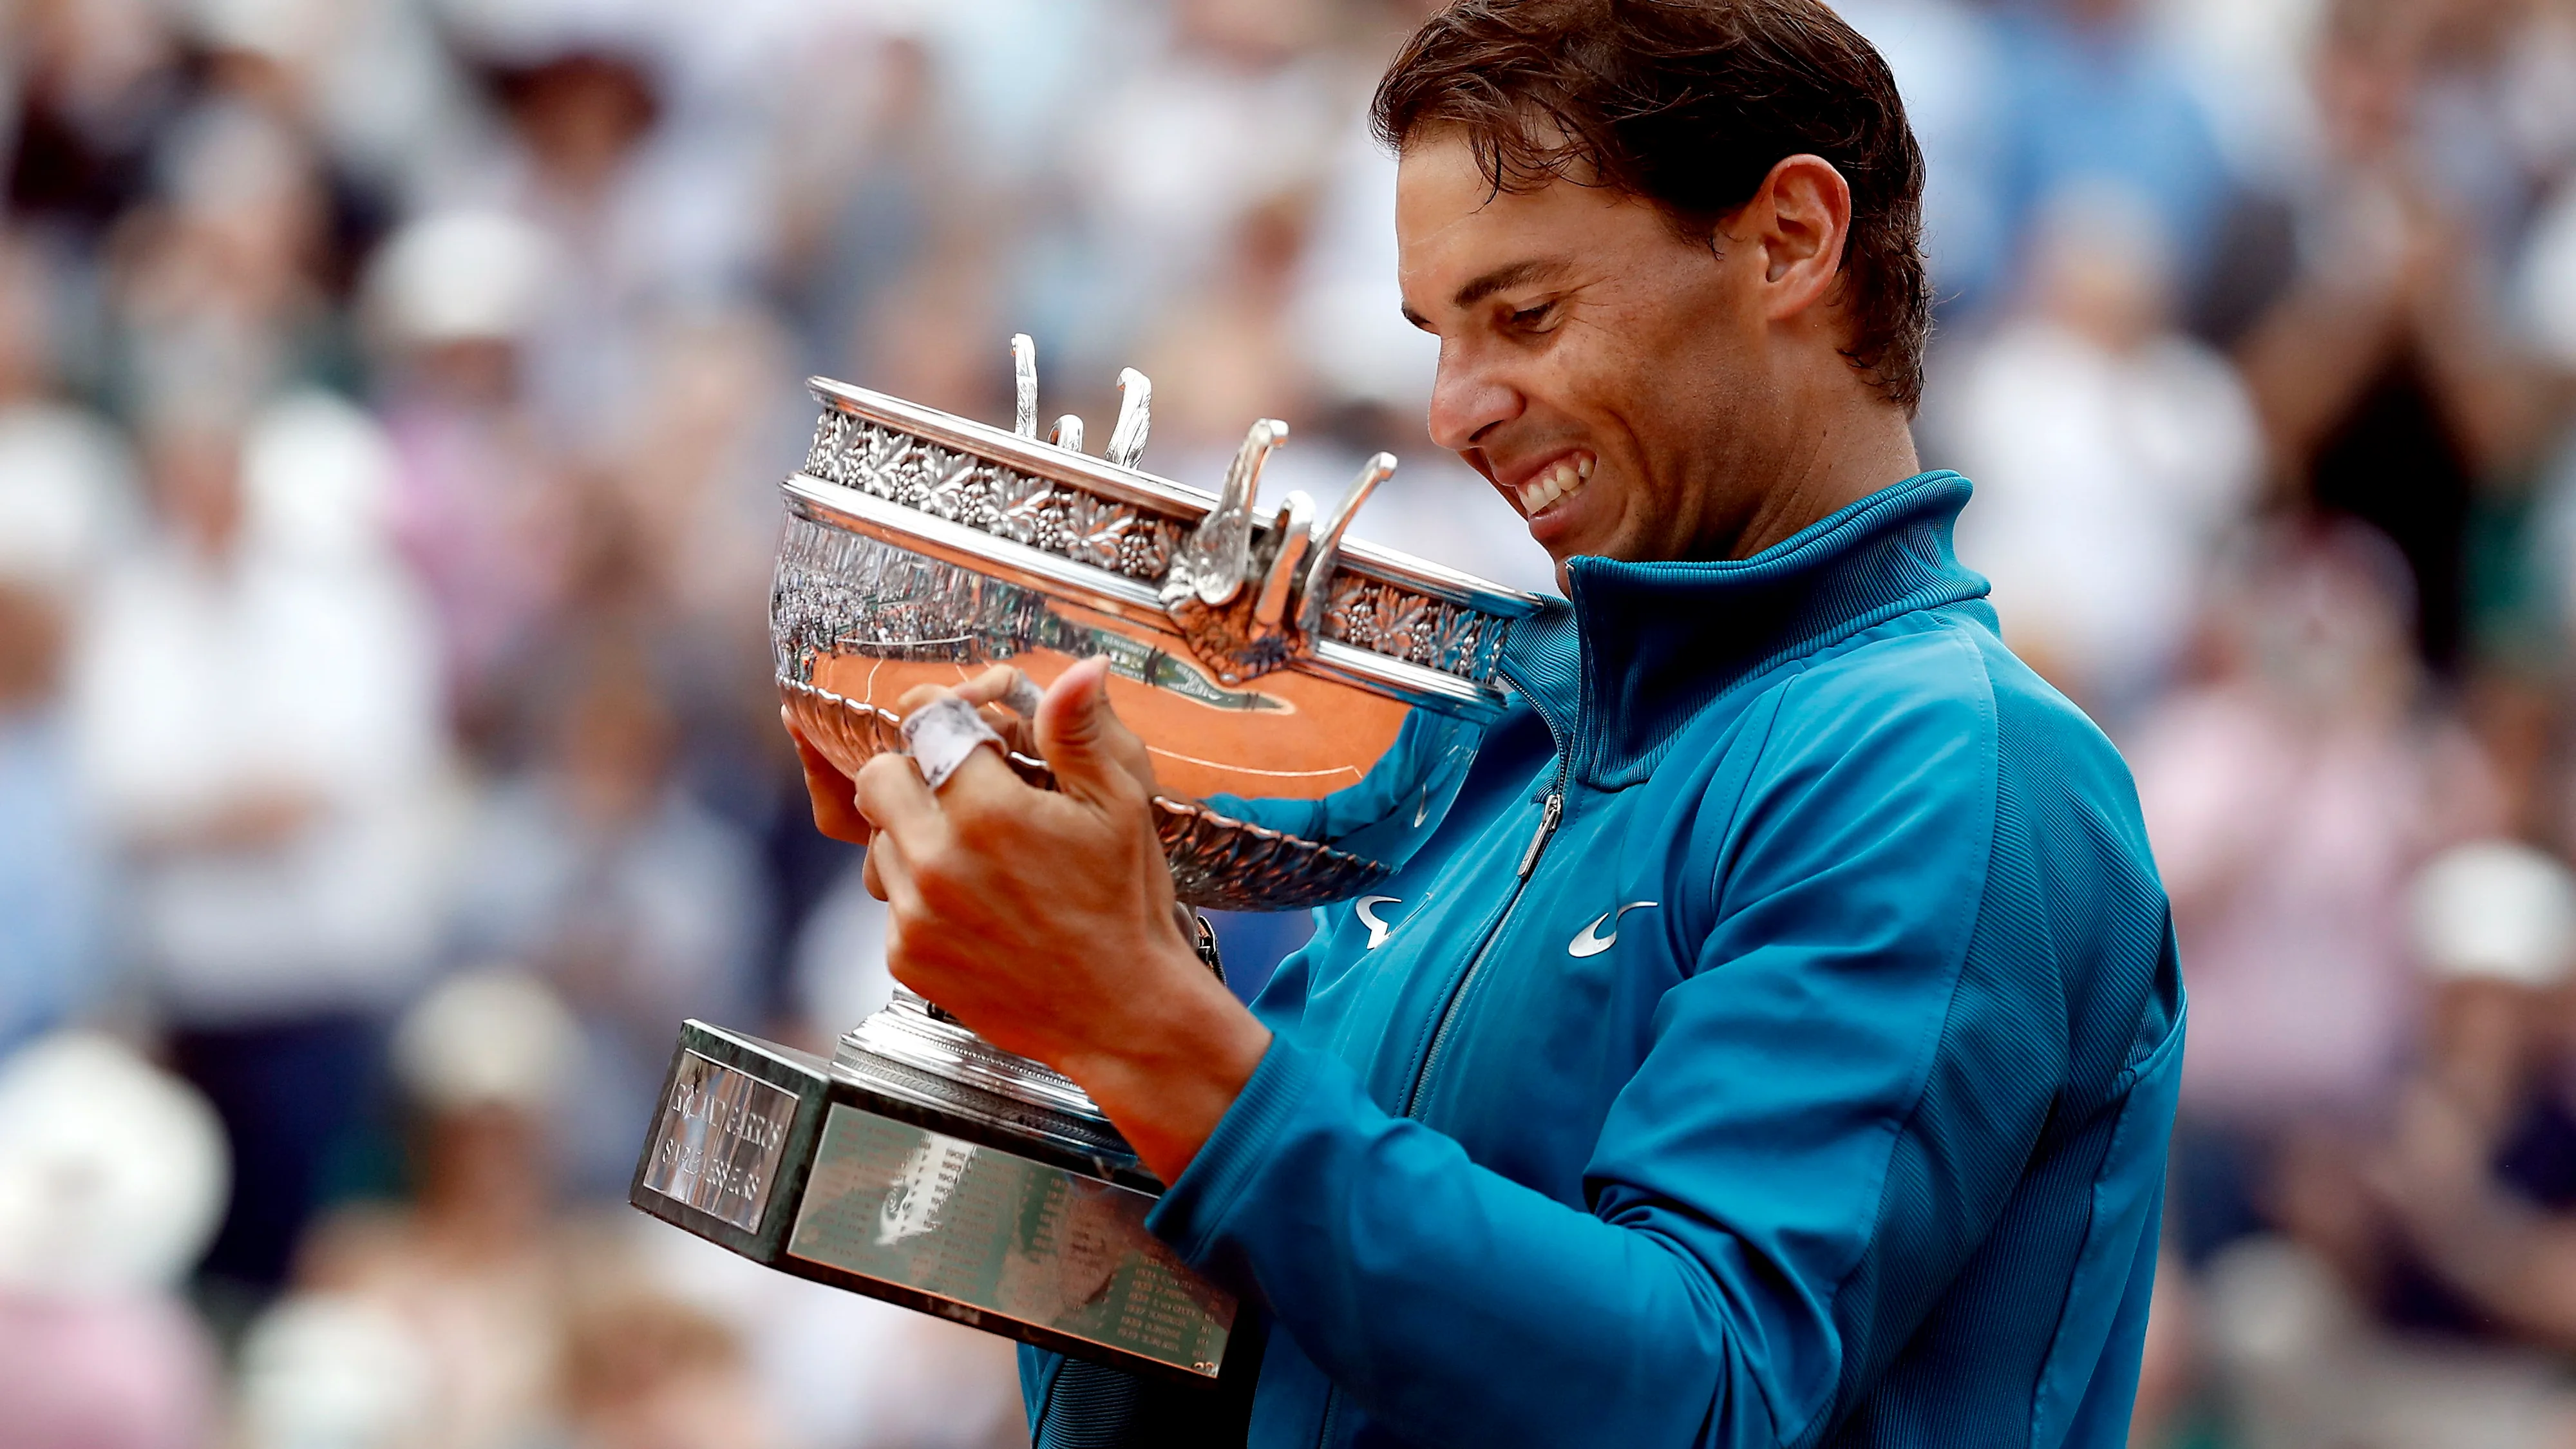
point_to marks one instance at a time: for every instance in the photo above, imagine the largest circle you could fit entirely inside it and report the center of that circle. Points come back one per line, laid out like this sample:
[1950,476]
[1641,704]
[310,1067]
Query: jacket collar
[1644,648]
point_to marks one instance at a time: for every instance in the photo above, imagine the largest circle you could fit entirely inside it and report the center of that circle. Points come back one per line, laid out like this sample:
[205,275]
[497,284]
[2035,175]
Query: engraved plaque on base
[805,1165]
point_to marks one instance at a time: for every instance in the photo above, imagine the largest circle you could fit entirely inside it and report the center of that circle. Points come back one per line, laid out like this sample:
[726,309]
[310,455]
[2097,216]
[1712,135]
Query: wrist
[1178,1064]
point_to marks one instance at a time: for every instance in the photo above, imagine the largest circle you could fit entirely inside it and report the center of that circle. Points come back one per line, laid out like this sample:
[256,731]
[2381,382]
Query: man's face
[1603,372]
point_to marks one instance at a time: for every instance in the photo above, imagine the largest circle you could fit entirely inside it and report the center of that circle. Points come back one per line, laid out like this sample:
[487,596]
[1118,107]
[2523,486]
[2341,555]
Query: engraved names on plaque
[1003,1235]
[719,1140]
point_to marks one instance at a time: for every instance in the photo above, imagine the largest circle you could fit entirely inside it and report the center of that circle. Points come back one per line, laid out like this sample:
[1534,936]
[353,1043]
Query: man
[1777,1042]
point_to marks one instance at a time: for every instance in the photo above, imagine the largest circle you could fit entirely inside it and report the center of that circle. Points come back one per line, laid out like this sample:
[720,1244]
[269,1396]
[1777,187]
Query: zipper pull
[1547,817]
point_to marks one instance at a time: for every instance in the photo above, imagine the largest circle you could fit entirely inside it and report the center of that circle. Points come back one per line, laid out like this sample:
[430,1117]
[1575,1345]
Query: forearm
[1464,1308]
[1173,1069]
[2510,1260]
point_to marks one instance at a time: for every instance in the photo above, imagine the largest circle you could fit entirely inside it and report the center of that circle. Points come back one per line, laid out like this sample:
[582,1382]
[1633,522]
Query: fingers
[830,792]
[893,798]
[1096,758]
[1002,695]
[888,876]
[1001,685]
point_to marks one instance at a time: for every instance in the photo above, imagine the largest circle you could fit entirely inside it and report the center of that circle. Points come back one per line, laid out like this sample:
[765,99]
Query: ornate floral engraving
[1023,507]
[1095,530]
[1145,549]
[1351,616]
[1404,623]
[1375,615]
[958,489]
[1386,619]
[1452,640]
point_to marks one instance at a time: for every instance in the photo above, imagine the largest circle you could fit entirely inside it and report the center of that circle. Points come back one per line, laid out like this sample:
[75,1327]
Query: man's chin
[1565,544]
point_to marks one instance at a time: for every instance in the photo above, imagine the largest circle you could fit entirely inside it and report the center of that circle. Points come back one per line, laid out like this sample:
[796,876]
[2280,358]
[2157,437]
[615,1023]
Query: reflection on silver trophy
[1310,704]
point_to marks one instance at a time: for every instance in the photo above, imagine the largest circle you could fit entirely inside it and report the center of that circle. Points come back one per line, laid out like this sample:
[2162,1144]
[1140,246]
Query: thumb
[1096,758]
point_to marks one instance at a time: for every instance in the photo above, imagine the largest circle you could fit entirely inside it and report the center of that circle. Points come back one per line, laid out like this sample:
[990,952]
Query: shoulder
[1942,684]
[1931,714]
[1916,696]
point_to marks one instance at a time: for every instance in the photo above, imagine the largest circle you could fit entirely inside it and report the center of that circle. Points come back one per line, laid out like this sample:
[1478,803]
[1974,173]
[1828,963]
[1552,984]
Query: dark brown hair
[1688,104]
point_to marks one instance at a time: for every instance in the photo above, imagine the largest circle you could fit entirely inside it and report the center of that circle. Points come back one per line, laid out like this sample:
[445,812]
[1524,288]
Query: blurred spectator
[2470,1194]
[650,1373]
[596,869]
[1945,55]
[366,81]
[468,1284]
[2387,389]
[2290,797]
[866,181]
[698,480]
[2091,96]
[65,503]
[479,507]
[320,1371]
[257,703]
[1238,111]
[652,225]
[2109,453]
[218,288]
[96,82]
[2481,1169]
[837,964]
[111,1177]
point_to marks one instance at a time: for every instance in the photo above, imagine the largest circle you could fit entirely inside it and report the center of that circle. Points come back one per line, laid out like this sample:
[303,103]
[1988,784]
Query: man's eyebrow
[1534,269]
[1512,275]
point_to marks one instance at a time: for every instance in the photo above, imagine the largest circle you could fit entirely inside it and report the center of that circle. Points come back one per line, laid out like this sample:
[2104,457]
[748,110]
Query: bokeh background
[392,398]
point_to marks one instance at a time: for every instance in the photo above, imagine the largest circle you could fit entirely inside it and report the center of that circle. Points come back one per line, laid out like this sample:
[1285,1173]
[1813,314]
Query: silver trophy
[1311,705]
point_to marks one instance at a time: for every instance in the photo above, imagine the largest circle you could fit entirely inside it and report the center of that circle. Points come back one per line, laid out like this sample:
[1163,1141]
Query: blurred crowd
[392,398]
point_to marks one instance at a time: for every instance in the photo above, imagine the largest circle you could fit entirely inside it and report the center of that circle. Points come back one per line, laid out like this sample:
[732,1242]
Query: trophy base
[927,1168]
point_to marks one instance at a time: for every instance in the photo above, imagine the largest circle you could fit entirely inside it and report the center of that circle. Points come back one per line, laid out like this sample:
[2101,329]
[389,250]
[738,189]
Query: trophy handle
[1328,539]
[1024,385]
[1244,637]
[1135,408]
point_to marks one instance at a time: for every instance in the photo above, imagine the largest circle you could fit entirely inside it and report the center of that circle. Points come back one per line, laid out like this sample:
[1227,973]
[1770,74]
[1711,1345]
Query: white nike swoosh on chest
[1377,929]
[1590,942]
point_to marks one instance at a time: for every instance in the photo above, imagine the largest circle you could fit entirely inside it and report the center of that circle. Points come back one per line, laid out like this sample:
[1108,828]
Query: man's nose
[1467,399]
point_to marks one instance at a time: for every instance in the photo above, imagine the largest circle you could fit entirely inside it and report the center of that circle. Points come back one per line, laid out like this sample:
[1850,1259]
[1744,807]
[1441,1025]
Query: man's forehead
[1458,239]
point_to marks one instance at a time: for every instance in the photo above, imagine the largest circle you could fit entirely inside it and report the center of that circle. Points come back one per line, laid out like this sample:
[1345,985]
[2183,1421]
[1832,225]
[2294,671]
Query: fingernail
[1022,697]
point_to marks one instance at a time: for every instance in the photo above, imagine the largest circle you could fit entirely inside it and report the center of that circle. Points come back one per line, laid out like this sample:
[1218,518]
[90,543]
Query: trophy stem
[909,1049]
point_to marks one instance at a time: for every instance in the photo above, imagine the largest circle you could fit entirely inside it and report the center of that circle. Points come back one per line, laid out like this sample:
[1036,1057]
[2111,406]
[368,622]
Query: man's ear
[1799,220]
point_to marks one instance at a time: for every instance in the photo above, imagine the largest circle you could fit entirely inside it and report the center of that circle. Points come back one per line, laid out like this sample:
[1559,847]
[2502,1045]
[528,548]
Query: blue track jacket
[1811,1087]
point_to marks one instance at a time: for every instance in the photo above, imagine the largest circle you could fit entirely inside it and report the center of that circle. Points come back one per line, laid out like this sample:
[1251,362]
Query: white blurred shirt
[2103,481]
[305,666]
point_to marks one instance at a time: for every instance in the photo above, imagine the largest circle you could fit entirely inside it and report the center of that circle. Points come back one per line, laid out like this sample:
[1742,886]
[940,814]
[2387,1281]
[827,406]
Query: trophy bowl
[1310,705]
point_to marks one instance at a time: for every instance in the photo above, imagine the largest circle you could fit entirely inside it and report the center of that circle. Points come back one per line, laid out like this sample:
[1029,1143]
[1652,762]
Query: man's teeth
[1555,483]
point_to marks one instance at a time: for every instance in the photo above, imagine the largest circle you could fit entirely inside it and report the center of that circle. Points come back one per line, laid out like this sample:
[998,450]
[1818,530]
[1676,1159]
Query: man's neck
[1844,454]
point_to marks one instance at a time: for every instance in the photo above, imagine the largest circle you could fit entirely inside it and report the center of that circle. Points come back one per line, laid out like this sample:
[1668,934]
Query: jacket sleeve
[1823,1127]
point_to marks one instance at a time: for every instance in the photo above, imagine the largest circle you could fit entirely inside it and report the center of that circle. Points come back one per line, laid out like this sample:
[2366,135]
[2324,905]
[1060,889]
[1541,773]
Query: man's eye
[1532,316]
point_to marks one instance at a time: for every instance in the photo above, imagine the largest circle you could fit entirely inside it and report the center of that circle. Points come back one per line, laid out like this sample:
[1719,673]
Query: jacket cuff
[1194,1211]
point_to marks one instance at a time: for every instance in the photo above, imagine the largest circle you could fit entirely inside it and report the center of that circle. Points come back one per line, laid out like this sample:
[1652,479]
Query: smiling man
[1776,1042]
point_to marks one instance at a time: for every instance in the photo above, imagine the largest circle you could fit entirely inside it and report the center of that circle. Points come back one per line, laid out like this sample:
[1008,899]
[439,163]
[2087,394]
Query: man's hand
[833,794]
[836,811]
[1044,920]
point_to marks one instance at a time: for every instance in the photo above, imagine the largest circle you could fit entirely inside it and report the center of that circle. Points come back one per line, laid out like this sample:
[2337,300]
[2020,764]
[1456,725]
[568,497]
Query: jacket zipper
[1550,812]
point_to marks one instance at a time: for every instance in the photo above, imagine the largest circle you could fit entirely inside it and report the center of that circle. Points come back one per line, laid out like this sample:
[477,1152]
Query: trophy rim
[900,526]
[1177,501]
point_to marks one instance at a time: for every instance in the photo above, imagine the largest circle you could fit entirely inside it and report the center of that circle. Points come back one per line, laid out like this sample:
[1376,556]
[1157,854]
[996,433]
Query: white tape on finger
[1022,700]
[941,734]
